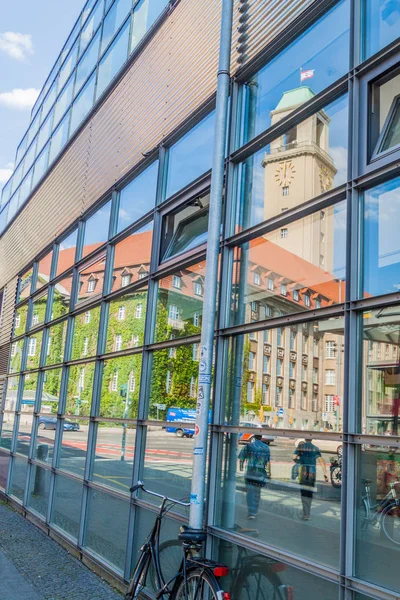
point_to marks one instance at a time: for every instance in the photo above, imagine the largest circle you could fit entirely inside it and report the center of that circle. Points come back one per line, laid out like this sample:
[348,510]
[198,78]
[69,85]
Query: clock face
[284,173]
[325,179]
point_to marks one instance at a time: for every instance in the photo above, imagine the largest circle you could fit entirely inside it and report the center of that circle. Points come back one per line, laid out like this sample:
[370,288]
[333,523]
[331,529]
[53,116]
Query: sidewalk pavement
[35,567]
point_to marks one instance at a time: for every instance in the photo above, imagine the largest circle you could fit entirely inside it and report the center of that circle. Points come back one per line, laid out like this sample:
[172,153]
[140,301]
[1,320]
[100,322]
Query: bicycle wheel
[257,582]
[200,586]
[138,581]
[391,523]
[336,477]
[170,554]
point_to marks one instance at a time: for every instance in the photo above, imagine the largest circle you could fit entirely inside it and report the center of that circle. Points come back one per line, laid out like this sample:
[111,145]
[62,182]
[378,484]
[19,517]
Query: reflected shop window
[255,576]
[298,267]
[378,515]
[132,258]
[306,161]
[288,377]
[180,303]
[310,64]
[381,242]
[289,499]
[381,371]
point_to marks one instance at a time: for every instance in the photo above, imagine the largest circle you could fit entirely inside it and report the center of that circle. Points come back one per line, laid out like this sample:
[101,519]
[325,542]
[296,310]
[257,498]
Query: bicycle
[336,470]
[197,577]
[254,577]
[386,513]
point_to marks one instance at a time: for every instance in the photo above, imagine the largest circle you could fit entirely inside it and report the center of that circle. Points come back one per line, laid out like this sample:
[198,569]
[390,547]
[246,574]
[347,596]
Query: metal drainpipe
[197,495]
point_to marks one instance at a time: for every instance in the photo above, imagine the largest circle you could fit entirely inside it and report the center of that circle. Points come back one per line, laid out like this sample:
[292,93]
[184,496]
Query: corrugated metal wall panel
[8,311]
[174,75]
[4,354]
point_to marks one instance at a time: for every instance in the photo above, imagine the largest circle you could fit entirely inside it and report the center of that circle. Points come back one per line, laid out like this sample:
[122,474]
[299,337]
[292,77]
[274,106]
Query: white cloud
[19,99]
[5,175]
[16,45]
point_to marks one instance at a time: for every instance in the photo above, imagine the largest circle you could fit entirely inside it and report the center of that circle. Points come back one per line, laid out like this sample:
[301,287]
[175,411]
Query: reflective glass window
[303,271]
[67,502]
[144,15]
[45,132]
[91,25]
[310,64]
[59,138]
[10,403]
[91,278]
[180,304]
[82,104]
[87,62]
[7,428]
[56,343]
[20,320]
[114,451]
[49,100]
[50,394]
[38,313]
[4,466]
[113,60]
[191,156]
[381,249]
[381,22]
[381,371]
[28,162]
[385,115]
[132,258]
[68,66]
[19,469]
[61,298]
[16,356]
[84,340]
[79,391]
[73,454]
[186,228]
[377,515]
[306,161]
[21,149]
[120,387]
[39,490]
[33,128]
[113,20]
[96,229]
[110,543]
[66,252]
[43,271]
[64,100]
[40,166]
[34,346]
[126,320]
[138,197]
[13,206]
[259,389]
[174,375]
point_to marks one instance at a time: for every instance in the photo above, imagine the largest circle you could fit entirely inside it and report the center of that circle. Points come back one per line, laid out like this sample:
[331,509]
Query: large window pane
[45,132]
[80,388]
[38,311]
[66,252]
[74,443]
[113,20]
[257,577]
[384,114]
[67,505]
[113,461]
[82,104]
[21,315]
[10,403]
[144,15]
[288,377]
[87,63]
[96,229]
[174,375]
[381,24]
[61,297]
[16,356]
[126,321]
[45,427]
[132,258]
[180,303]
[310,64]
[381,373]
[34,346]
[308,160]
[85,335]
[59,138]
[191,156]
[378,516]
[381,252]
[7,428]
[113,60]
[51,390]
[298,267]
[40,166]
[19,468]
[91,278]
[64,100]
[25,283]
[91,25]
[43,272]
[56,343]
[68,66]
[4,466]
[120,387]
[138,197]
[39,490]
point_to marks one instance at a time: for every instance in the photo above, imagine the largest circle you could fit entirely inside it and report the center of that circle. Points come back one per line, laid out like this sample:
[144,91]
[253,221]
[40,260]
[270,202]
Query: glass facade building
[102,381]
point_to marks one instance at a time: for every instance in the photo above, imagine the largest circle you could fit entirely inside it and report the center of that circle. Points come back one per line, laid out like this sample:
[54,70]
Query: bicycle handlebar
[140,486]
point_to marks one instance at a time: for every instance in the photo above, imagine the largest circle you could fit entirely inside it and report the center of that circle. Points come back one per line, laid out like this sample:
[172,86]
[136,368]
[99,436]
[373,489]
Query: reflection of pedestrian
[257,456]
[307,454]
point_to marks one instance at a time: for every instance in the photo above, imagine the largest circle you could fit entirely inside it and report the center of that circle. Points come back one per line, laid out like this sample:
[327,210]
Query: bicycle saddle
[366,481]
[192,535]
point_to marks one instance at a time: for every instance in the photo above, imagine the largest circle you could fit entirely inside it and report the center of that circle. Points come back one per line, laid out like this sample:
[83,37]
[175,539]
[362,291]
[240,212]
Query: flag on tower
[306,74]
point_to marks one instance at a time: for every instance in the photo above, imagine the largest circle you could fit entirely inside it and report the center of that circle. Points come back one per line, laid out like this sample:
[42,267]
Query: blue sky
[32,33]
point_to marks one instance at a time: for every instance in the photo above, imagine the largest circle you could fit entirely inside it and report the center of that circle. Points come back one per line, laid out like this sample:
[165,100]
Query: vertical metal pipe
[210,287]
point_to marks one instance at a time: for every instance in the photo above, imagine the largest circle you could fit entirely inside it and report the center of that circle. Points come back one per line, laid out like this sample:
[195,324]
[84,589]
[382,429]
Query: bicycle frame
[372,514]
